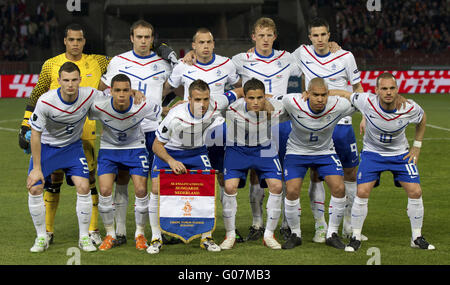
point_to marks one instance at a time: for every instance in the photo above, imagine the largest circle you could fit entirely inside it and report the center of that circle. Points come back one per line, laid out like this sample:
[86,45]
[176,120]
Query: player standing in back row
[337,69]
[273,68]
[147,72]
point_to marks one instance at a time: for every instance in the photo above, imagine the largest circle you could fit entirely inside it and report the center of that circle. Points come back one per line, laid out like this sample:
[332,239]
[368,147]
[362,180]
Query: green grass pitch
[387,224]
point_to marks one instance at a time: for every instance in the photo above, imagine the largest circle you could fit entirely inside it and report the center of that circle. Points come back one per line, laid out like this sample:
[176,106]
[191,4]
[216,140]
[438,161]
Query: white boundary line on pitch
[437,127]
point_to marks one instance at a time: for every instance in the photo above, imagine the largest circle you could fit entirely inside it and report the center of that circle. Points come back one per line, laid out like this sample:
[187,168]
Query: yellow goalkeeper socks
[94,218]
[51,201]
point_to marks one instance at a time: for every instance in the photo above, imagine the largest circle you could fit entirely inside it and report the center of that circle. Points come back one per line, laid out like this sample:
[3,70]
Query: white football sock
[336,213]
[350,192]
[222,190]
[141,214]
[415,213]
[284,223]
[316,193]
[121,208]
[293,213]
[153,215]
[229,206]
[273,213]
[37,211]
[359,214]
[84,213]
[256,200]
[106,211]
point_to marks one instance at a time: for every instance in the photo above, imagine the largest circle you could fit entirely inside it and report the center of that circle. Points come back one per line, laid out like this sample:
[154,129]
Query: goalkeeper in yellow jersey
[92,66]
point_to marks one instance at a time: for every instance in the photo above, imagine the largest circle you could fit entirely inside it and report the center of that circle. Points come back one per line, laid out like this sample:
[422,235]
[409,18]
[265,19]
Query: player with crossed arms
[336,69]
[386,148]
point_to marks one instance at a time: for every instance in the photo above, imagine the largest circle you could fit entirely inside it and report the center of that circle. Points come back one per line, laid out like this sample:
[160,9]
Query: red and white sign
[17,86]
[411,81]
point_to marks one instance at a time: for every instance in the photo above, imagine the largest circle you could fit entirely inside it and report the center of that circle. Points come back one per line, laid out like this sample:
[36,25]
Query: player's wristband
[417,144]
[26,117]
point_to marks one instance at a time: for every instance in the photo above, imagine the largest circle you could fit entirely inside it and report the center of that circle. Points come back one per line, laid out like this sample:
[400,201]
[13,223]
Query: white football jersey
[385,130]
[246,128]
[181,130]
[337,69]
[312,132]
[274,70]
[219,72]
[123,130]
[61,123]
[147,74]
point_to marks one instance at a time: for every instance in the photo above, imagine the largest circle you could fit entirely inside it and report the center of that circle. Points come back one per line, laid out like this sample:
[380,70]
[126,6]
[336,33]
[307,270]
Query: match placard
[187,204]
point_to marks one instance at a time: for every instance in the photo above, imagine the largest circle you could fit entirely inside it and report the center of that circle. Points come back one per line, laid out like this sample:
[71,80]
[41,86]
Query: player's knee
[415,192]
[140,191]
[338,191]
[292,192]
[106,190]
[36,190]
[230,189]
[276,188]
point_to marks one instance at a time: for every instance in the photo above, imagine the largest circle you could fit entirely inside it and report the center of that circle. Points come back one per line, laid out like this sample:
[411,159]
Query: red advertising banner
[17,86]
[409,81]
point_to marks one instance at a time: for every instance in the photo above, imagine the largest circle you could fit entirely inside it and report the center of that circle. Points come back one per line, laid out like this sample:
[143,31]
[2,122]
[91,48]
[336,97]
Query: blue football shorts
[372,165]
[70,159]
[296,166]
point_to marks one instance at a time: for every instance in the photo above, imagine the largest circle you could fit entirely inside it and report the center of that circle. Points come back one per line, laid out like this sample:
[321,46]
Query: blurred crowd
[20,29]
[400,26]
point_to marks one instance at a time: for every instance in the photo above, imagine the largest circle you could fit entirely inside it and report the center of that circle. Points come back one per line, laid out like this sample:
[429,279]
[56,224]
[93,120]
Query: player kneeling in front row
[180,145]
[122,145]
[386,148]
[57,124]
[249,146]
